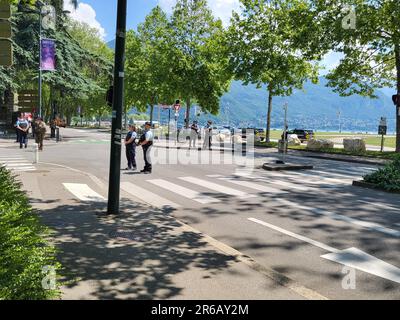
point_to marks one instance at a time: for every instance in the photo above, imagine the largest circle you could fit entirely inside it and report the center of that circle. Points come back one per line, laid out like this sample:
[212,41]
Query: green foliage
[262,49]
[24,250]
[388,177]
[199,67]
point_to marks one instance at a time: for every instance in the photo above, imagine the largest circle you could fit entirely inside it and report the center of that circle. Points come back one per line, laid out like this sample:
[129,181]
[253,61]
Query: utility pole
[118,100]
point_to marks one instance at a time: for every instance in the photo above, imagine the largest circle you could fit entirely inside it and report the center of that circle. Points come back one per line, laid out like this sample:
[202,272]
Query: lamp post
[118,99]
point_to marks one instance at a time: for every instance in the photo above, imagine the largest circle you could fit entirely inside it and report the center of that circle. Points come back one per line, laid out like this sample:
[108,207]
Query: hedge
[24,249]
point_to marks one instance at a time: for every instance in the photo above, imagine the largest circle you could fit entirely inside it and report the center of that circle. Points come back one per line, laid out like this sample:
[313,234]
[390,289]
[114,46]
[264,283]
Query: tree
[80,70]
[148,79]
[368,34]
[262,50]
[198,68]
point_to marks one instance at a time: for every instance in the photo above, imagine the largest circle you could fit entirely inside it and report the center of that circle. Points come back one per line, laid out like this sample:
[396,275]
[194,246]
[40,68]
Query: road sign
[49,17]
[5,9]
[5,29]
[383,122]
[6,53]
[382,130]
[28,99]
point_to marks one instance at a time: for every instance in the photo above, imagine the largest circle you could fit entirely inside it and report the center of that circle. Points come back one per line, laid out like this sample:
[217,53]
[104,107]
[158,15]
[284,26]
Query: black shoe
[147,172]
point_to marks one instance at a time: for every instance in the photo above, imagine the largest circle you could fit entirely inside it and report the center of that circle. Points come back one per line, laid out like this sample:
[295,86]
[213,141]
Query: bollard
[58,134]
[36,153]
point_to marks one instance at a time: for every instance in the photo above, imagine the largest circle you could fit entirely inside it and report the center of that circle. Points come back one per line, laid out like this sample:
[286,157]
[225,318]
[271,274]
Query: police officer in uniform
[146,141]
[130,145]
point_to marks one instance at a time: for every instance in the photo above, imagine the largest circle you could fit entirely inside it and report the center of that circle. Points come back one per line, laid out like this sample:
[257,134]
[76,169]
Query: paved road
[294,223]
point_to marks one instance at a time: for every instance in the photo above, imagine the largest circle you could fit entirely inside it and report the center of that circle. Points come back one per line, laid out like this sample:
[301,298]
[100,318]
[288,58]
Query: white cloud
[221,8]
[85,13]
[331,61]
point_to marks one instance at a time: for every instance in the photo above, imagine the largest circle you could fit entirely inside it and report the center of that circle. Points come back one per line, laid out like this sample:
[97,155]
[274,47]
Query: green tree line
[191,56]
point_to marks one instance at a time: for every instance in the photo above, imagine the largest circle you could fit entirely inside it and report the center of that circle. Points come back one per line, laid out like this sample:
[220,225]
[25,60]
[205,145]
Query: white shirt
[149,136]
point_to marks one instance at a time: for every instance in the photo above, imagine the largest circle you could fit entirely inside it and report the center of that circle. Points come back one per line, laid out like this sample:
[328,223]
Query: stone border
[367,185]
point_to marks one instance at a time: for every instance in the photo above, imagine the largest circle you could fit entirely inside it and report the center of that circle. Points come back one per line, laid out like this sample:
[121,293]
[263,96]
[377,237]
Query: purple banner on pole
[48,62]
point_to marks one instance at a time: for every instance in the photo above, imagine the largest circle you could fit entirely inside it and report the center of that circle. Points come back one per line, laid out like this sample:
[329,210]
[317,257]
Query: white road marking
[147,196]
[254,186]
[19,165]
[214,176]
[83,192]
[184,192]
[357,259]
[294,235]
[380,205]
[364,224]
[217,187]
[352,257]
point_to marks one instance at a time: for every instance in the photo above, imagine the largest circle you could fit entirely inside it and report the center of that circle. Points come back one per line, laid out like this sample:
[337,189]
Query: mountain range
[315,107]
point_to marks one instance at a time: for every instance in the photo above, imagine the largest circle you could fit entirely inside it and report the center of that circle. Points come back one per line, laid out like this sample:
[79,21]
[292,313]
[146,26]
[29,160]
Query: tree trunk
[188,104]
[268,133]
[397,53]
[151,113]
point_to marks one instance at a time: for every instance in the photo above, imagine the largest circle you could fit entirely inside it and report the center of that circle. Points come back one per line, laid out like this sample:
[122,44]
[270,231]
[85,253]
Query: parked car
[303,135]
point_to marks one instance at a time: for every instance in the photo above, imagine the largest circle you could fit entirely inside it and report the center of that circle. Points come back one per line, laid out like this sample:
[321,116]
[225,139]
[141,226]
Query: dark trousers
[147,158]
[17,132]
[23,138]
[131,156]
[39,140]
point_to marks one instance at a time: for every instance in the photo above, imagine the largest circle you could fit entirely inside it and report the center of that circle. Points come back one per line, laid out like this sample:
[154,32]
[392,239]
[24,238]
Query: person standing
[40,132]
[146,141]
[23,127]
[208,136]
[19,118]
[130,146]
[194,134]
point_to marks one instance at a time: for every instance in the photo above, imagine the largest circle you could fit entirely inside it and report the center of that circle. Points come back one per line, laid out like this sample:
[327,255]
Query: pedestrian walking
[130,146]
[194,134]
[40,132]
[208,136]
[23,127]
[146,141]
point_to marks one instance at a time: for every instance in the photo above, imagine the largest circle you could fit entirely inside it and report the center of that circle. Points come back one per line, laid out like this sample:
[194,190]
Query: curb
[367,185]
[380,162]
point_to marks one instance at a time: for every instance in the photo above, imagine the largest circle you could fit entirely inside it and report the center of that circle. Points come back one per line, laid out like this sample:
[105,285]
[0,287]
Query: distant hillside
[316,107]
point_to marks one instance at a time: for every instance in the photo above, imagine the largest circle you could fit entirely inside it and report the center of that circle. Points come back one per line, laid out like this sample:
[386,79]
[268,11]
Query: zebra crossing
[185,191]
[16,163]
[176,192]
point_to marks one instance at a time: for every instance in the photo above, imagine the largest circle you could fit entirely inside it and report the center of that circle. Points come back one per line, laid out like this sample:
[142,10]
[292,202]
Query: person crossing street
[130,145]
[146,141]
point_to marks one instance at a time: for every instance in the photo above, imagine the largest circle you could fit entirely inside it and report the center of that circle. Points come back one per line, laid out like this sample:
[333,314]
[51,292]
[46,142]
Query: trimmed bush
[24,250]
[388,177]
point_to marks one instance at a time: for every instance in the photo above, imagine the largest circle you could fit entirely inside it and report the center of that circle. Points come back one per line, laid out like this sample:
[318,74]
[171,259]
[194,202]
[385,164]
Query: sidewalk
[143,253]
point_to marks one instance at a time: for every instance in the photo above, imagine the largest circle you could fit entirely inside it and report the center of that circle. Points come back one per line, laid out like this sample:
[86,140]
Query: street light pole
[40,59]
[118,99]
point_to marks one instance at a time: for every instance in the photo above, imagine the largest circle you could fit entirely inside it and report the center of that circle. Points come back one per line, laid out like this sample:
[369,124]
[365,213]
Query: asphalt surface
[286,221]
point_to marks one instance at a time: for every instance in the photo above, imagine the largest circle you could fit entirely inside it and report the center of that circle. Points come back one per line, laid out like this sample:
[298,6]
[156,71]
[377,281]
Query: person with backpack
[40,132]
[23,127]
[130,146]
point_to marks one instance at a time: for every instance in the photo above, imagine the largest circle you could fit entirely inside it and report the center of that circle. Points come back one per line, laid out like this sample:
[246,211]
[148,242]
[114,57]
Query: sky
[101,14]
